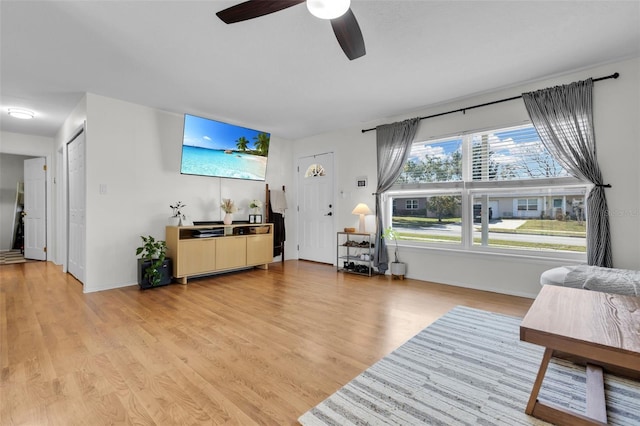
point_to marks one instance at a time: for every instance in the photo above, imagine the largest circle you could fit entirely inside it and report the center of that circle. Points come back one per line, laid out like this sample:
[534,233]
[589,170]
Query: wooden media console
[207,249]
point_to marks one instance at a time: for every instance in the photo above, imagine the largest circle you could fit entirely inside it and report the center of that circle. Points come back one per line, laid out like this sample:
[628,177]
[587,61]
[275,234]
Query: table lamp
[362,209]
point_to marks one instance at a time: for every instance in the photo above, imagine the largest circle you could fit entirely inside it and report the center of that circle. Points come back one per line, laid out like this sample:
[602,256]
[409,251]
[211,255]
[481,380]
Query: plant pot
[166,271]
[174,221]
[398,268]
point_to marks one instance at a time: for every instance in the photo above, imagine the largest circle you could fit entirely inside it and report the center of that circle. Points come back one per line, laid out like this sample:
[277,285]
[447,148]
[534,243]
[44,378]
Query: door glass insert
[314,170]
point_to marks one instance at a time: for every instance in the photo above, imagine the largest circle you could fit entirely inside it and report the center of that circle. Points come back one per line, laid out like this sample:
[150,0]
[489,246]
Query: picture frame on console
[255,218]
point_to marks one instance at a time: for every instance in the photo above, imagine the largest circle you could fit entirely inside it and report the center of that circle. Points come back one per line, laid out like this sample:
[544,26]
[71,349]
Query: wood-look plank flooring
[252,347]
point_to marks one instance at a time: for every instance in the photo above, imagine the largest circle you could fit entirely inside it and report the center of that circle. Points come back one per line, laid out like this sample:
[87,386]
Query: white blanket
[596,278]
[278,201]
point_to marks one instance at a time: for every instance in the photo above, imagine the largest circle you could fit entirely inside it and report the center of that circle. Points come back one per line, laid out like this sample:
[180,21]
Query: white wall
[135,151]
[616,112]
[33,146]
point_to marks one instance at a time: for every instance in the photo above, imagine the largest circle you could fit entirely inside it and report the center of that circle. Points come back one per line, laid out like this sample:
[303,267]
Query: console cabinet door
[259,249]
[231,252]
[197,257]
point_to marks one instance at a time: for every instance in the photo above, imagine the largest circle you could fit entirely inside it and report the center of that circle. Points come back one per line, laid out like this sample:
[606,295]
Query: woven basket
[259,230]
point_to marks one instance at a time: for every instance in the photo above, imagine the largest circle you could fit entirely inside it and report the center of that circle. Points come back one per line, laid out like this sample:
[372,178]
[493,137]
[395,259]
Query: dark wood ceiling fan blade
[253,9]
[349,36]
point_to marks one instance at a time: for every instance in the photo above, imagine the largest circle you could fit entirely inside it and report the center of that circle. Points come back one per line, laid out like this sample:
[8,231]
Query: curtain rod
[463,110]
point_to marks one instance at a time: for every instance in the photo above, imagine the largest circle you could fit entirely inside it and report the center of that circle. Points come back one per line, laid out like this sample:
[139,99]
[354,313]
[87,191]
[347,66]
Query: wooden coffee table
[601,329]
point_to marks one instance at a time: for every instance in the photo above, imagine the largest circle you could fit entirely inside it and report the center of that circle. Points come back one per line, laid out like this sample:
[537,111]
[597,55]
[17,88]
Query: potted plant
[177,216]
[397,268]
[256,206]
[154,269]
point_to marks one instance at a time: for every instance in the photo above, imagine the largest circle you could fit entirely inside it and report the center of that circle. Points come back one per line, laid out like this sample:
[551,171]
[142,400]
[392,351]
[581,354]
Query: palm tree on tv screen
[262,143]
[242,143]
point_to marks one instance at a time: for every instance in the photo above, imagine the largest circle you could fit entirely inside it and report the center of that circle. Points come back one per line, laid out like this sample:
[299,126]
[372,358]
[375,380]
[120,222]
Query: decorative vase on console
[229,208]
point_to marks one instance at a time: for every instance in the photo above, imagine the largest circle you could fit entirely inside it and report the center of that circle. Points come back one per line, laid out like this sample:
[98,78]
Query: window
[496,190]
[525,204]
[411,204]
[314,170]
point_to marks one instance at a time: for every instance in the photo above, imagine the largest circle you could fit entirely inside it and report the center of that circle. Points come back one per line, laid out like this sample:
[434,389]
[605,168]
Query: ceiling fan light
[328,9]
[23,114]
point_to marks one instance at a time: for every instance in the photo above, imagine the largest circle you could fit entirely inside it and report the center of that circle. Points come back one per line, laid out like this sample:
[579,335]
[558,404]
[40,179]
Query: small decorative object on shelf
[229,208]
[177,216]
[355,253]
[256,205]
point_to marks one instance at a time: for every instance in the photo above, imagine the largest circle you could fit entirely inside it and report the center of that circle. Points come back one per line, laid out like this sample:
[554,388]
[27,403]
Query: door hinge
[298,247]
[45,249]
[44,167]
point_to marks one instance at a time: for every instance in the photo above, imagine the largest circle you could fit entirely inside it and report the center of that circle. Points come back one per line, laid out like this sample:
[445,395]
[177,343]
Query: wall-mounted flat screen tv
[213,148]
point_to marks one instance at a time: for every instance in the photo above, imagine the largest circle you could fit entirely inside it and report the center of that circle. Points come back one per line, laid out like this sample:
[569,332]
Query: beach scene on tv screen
[213,148]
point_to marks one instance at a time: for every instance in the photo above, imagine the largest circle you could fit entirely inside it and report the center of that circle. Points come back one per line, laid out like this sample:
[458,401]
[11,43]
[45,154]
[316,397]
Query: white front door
[76,207]
[316,223]
[35,209]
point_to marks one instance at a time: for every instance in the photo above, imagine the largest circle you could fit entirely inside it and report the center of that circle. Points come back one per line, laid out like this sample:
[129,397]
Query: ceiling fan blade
[253,9]
[349,36]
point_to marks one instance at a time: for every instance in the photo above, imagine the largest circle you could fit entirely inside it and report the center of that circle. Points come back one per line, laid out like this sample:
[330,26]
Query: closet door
[76,214]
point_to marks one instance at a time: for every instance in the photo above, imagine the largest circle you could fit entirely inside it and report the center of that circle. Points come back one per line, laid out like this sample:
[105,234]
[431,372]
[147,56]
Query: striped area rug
[467,368]
[11,256]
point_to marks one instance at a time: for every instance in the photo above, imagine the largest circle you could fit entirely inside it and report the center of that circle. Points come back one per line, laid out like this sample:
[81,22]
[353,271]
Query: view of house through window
[497,189]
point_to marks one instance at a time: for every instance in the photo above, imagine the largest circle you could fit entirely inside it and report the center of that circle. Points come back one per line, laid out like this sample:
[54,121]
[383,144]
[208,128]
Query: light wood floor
[254,347]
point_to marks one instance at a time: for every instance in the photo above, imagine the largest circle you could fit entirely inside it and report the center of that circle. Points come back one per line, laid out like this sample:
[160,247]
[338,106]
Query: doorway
[12,199]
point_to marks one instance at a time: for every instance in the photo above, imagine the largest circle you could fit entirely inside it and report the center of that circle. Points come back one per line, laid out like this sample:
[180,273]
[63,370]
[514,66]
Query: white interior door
[35,209]
[76,205]
[316,220]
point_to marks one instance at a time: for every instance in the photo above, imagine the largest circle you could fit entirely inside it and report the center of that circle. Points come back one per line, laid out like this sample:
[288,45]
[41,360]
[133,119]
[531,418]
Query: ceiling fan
[344,23]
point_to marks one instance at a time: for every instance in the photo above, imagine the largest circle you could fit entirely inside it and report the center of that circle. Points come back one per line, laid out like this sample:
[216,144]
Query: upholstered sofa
[596,278]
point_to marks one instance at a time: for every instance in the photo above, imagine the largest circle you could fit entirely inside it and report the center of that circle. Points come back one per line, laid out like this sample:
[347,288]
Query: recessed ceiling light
[23,114]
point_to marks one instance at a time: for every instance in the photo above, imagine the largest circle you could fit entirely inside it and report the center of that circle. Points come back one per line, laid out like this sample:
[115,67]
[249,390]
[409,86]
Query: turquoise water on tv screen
[216,162]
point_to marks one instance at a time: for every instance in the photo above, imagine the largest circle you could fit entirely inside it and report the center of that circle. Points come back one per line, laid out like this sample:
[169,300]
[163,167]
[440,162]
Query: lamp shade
[362,208]
[328,9]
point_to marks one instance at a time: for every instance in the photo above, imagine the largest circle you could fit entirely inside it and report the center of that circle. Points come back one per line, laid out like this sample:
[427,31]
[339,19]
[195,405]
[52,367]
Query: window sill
[522,255]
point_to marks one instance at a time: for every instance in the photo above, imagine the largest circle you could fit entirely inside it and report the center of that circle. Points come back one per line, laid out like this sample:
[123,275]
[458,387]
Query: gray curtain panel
[394,145]
[563,117]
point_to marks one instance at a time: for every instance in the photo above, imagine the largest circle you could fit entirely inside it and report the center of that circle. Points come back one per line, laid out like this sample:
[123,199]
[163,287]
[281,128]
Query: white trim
[525,256]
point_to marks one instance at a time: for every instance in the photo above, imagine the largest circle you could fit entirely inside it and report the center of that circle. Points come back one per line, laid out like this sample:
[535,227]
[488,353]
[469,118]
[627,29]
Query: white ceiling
[285,73]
